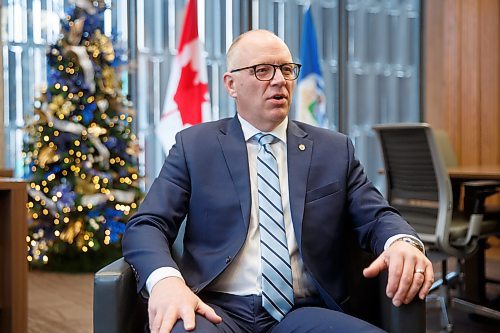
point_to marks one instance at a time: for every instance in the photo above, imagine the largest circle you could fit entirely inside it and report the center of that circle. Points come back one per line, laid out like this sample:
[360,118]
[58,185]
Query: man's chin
[279,116]
[280,110]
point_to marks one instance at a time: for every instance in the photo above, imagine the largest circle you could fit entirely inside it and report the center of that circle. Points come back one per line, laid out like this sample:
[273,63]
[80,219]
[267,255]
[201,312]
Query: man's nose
[278,76]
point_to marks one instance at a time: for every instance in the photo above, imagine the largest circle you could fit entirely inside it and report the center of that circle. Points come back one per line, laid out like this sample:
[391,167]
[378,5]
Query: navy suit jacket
[206,177]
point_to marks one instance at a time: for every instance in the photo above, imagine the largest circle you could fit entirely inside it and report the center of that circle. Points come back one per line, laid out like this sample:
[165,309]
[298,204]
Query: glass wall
[369,49]
[382,72]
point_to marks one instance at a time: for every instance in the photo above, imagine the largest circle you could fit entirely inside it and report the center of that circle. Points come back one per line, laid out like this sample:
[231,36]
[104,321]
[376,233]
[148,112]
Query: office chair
[445,148]
[119,309]
[418,185]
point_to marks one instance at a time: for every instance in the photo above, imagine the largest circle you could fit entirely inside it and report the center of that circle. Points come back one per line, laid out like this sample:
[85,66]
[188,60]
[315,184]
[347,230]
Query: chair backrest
[417,181]
[445,148]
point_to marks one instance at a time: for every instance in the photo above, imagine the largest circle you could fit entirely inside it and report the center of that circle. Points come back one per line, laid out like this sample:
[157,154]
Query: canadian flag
[187,101]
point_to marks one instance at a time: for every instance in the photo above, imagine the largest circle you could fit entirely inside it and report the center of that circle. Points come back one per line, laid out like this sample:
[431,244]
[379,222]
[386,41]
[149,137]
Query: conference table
[474,267]
[460,174]
[470,172]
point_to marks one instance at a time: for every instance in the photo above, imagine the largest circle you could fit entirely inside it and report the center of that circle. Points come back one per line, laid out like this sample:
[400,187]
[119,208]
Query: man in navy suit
[210,178]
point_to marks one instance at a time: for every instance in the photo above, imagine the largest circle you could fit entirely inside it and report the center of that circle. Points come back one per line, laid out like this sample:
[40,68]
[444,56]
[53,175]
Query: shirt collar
[249,130]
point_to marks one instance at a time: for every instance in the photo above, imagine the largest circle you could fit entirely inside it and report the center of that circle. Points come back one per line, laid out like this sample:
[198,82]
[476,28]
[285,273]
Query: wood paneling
[433,50]
[464,97]
[452,19]
[490,81]
[469,84]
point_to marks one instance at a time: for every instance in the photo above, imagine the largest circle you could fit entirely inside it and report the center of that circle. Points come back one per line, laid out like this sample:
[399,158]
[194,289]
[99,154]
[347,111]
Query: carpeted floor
[62,303]
[463,321]
[59,303]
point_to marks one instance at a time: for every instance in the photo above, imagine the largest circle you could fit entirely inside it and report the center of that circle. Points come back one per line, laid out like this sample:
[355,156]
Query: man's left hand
[410,272]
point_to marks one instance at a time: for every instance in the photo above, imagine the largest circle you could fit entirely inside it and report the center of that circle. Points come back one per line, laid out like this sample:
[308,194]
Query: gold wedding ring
[419,270]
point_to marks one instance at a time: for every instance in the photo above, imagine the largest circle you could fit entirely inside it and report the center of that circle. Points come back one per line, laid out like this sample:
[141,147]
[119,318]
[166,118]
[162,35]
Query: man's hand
[410,272]
[172,300]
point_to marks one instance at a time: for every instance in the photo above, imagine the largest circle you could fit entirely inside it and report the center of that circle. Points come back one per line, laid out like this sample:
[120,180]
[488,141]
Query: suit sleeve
[150,233]
[374,220]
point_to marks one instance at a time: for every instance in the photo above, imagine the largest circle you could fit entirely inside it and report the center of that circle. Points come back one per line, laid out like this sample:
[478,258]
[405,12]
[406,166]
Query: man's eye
[262,69]
[287,69]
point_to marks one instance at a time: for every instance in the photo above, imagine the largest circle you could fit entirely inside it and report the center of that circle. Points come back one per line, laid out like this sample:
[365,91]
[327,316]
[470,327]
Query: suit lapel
[299,152]
[235,153]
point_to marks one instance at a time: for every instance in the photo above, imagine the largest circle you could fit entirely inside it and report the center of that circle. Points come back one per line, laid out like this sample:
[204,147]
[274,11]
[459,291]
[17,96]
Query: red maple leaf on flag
[187,101]
[190,96]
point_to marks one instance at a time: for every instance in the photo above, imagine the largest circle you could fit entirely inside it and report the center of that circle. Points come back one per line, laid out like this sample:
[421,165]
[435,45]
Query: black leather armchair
[118,308]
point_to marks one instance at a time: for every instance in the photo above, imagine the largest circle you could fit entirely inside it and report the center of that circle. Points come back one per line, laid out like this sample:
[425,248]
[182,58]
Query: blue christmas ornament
[110,213]
[88,113]
[111,143]
[66,197]
[116,229]
[93,213]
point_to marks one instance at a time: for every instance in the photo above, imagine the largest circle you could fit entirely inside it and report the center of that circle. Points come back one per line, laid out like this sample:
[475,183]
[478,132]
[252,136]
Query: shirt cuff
[160,274]
[398,236]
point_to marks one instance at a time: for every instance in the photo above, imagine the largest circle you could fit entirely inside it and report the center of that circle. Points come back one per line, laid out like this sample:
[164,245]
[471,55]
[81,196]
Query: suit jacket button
[228,259]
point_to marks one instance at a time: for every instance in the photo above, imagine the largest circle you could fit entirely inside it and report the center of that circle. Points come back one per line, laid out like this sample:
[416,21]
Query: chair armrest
[368,301]
[408,318]
[117,306]
[476,192]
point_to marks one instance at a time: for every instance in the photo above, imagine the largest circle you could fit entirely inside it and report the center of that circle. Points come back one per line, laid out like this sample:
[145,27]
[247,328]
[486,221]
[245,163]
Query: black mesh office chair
[119,309]
[418,186]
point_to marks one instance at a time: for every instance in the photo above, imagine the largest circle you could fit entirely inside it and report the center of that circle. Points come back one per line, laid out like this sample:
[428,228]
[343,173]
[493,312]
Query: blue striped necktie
[277,288]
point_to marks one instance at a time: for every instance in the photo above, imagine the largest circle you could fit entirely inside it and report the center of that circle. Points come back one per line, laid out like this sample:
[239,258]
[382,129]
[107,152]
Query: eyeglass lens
[266,72]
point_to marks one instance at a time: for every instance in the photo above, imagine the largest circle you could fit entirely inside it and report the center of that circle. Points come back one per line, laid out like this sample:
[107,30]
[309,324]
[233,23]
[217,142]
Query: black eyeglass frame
[254,67]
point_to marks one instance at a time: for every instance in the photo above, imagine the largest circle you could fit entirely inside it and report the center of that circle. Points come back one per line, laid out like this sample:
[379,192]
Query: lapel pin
[302,147]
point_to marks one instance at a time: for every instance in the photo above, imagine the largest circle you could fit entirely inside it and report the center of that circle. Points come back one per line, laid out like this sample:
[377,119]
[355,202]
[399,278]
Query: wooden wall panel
[490,81]
[450,59]
[432,89]
[464,97]
[469,88]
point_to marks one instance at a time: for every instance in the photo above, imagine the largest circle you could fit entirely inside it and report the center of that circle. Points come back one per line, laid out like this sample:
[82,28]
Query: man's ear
[229,84]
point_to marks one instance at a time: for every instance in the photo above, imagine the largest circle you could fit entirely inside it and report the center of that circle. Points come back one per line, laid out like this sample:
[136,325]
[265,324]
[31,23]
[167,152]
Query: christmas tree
[81,156]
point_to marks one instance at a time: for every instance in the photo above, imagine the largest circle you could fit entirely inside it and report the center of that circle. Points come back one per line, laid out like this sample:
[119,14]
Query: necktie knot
[265,139]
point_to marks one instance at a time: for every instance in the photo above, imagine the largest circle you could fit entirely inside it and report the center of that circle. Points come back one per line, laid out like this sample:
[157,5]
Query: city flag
[187,101]
[311,102]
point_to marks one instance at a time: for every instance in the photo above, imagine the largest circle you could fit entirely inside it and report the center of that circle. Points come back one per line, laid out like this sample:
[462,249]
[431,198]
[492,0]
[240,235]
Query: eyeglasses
[266,72]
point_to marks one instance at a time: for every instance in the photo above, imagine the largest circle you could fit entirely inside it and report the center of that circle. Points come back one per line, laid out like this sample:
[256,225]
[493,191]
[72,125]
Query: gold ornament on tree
[75,31]
[71,231]
[96,130]
[102,44]
[47,155]
[82,186]
[109,83]
[61,107]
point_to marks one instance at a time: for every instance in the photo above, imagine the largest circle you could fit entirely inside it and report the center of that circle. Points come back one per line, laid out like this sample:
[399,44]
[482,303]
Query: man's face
[264,104]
